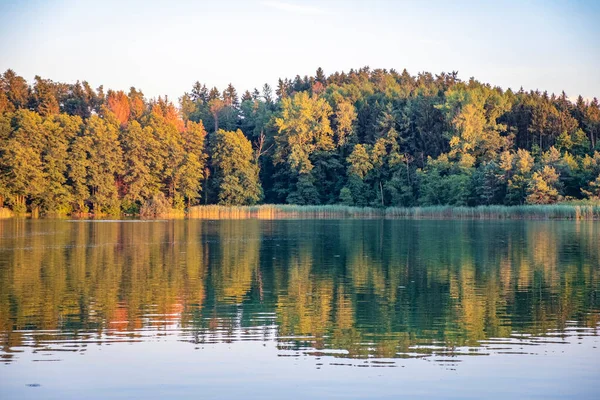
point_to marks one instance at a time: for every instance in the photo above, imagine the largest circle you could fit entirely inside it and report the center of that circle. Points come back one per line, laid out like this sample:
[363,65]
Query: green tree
[518,167]
[140,181]
[105,163]
[593,190]
[356,191]
[21,161]
[78,165]
[541,188]
[444,183]
[303,128]
[474,111]
[167,151]
[236,174]
[44,99]
[59,131]
[191,171]
[489,184]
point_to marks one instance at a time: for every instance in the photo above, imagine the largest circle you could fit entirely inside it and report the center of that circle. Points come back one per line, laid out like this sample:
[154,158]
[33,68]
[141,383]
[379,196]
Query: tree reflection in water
[350,288]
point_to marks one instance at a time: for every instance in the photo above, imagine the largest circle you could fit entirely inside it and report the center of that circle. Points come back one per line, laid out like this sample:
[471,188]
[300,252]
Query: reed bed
[542,212]
[539,212]
[282,212]
[268,212]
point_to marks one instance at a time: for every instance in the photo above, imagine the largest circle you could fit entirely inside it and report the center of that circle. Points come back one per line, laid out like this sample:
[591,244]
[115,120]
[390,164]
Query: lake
[299,309]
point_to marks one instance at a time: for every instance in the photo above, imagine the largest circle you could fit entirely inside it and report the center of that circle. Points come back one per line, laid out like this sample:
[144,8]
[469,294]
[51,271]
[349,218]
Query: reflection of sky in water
[165,366]
[278,309]
[49,346]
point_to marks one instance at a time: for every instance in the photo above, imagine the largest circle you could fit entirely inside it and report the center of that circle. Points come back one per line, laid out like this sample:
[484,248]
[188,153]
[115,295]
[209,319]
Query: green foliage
[444,183]
[59,131]
[541,189]
[593,191]
[22,164]
[236,173]
[303,128]
[359,161]
[346,197]
[367,138]
[518,168]
[489,184]
[78,167]
[139,159]
[105,162]
[305,193]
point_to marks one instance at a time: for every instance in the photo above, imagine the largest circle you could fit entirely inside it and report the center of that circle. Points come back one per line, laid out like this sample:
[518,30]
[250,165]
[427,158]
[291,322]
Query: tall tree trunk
[407,169]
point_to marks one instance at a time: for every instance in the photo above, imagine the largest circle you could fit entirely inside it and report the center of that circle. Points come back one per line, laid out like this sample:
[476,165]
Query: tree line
[368,137]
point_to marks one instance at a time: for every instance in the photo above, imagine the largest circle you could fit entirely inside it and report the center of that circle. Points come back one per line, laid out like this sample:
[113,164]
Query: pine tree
[16,90]
[282,89]
[320,76]
[230,96]
[44,99]
[267,94]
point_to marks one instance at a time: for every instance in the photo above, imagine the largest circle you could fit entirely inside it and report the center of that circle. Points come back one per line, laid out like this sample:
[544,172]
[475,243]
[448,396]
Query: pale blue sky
[163,47]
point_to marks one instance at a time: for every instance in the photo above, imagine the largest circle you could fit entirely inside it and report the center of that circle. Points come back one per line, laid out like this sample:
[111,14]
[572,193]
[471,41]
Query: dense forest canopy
[368,137]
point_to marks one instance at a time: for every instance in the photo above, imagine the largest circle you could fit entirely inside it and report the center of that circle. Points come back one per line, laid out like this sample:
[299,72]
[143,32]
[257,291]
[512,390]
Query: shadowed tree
[43,99]
[16,90]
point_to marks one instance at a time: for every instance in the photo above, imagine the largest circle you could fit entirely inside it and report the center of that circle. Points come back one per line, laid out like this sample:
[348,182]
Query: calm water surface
[299,309]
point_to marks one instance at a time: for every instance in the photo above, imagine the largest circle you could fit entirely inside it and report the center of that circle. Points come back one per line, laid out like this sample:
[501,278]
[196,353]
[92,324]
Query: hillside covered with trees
[368,137]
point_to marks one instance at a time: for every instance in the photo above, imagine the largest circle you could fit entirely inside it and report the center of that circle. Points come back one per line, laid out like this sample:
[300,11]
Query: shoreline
[588,212]
[529,212]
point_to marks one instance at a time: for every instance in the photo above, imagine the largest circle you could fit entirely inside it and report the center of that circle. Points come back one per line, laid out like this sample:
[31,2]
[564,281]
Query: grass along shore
[283,211]
[539,212]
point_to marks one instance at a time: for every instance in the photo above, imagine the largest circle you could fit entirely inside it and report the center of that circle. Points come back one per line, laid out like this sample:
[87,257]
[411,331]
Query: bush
[129,207]
[159,206]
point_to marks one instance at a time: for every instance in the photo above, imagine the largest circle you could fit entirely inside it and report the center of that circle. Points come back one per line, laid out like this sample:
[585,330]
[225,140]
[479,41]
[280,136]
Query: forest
[367,138]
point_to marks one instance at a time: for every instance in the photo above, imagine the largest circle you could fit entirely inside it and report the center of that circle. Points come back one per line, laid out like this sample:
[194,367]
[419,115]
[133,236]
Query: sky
[163,47]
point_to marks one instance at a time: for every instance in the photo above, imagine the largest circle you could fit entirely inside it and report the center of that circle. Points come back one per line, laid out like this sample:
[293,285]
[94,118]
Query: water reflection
[365,292]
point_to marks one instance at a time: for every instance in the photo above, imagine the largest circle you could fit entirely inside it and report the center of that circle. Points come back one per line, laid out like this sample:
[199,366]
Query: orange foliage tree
[118,103]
